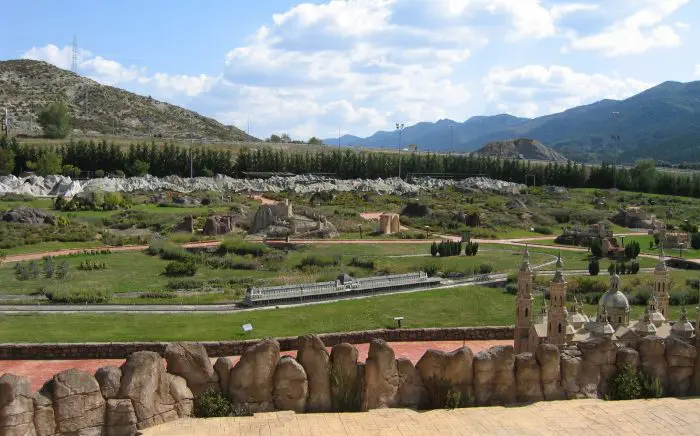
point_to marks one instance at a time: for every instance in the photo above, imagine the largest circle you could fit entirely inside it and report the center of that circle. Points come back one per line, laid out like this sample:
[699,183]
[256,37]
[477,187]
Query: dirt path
[262,200]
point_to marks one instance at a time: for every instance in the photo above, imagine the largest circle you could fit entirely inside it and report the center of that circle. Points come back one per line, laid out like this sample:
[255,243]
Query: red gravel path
[39,371]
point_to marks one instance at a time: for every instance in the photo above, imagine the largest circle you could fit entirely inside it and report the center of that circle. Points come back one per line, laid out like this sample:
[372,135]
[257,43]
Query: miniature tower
[682,328]
[523,302]
[557,319]
[661,284]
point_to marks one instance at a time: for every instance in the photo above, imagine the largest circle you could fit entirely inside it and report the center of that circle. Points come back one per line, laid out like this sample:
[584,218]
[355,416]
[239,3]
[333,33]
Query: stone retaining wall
[150,388]
[120,350]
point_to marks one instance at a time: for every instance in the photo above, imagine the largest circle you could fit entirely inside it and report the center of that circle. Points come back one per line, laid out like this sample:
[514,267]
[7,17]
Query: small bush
[431,269]
[69,296]
[158,294]
[651,386]
[168,251]
[319,261]
[593,267]
[181,268]
[484,268]
[243,248]
[543,230]
[360,263]
[625,384]
[212,404]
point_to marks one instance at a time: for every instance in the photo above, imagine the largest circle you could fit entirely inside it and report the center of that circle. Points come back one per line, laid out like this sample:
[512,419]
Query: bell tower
[524,303]
[557,321]
[661,284]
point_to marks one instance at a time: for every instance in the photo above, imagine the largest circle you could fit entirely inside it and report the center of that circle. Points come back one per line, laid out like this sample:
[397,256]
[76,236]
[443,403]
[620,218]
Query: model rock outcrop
[143,393]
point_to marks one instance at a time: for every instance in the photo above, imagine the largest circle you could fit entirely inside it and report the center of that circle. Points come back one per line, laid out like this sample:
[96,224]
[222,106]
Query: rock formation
[109,379]
[314,358]
[494,379]
[28,215]
[219,225]
[345,377]
[291,387]
[442,371]
[16,406]
[381,379]
[78,403]
[251,380]
[190,361]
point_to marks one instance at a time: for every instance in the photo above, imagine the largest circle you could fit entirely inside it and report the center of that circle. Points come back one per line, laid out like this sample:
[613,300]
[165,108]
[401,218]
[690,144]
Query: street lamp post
[399,129]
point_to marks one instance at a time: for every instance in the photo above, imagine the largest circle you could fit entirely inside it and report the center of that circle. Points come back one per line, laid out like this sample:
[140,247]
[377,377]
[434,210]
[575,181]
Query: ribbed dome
[613,301]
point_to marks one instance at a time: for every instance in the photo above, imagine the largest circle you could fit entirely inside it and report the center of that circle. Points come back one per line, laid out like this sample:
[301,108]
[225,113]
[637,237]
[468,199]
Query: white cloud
[697,70]
[637,33]
[529,18]
[683,25]
[110,72]
[537,90]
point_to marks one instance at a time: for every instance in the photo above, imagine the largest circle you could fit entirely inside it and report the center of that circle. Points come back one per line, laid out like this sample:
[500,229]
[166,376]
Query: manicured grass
[644,246]
[464,306]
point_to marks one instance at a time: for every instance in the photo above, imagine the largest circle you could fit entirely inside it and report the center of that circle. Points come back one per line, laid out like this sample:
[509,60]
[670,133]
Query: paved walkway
[39,371]
[667,416]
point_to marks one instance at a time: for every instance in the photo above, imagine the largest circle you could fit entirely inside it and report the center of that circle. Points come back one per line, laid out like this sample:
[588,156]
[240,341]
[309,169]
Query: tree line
[162,159]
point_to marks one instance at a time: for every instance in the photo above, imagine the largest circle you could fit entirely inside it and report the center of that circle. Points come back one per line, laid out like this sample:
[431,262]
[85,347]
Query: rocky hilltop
[61,185]
[530,149]
[27,86]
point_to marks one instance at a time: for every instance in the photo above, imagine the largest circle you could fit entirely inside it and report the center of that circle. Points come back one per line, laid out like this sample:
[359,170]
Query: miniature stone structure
[389,223]
[344,285]
[579,236]
[219,225]
[560,326]
[635,217]
[674,239]
[144,392]
[279,221]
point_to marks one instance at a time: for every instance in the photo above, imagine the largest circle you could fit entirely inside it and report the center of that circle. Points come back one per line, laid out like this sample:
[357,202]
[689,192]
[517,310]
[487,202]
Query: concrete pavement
[666,416]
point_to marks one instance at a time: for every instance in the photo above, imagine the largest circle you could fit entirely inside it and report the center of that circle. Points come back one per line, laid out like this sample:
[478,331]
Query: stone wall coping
[119,350]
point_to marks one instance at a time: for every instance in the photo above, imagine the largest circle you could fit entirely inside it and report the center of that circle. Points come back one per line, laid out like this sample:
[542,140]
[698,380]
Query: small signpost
[398,320]
[247,328]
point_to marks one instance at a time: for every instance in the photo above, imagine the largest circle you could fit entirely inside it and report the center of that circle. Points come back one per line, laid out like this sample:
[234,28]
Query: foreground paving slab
[576,417]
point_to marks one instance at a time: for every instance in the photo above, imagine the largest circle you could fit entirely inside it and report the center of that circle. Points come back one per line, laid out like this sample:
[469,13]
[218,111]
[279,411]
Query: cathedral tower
[661,284]
[524,303]
[557,320]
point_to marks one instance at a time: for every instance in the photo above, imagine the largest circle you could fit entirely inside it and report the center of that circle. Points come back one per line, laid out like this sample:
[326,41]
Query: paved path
[39,371]
[666,416]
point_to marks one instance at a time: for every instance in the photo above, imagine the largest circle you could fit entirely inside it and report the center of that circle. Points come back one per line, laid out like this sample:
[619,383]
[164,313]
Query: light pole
[399,129]
[616,137]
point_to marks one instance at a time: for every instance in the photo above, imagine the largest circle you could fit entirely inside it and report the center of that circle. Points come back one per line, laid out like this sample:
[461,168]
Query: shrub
[168,251]
[360,263]
[543,230]
[449,248]
[242,248]
[158,294]
[62,271]
[625,384]
[433,249]
[651,386]
[485,268]
[471,248]
[49,267]
[99,174]
[350,393]
[320,261]
[212,404]
[596,248]
[695,241]
[22,271]
[593,267]
[181,268]
[69,296]
[431,269]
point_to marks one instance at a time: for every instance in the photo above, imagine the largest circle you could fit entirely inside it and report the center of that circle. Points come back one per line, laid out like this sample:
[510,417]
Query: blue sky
[361,65]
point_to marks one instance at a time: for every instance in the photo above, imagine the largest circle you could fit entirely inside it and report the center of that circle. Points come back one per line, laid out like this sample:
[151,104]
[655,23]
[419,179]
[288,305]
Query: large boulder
[598,365]
[78,403]
[16,406]
[381,377]
[150,388]
[219,225]
[189,360]
[627,357]
[291,386]
[680,357]
[223,366]
[251,380]
[494,376]
[345,378]
[528,378]
[652,355]
[109,378]
[121,418]
[443,371]
[411,391]
[314,358]
[570,371]
[44,417]
[549,360]
[28,215]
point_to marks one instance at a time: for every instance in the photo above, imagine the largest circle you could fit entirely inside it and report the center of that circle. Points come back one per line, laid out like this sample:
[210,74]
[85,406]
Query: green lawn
[465,306]
[644,246]
[51,246]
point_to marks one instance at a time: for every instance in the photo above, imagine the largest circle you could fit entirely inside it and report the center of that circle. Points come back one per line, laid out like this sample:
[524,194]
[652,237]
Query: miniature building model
[344,285]
[559,326]
[389,223]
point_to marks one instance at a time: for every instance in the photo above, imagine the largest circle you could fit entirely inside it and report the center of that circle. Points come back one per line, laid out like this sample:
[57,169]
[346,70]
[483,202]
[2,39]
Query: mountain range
[27,86]
[662,123]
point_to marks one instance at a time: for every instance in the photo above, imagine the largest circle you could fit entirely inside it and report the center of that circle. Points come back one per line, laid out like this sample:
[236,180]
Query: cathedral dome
[613,301]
